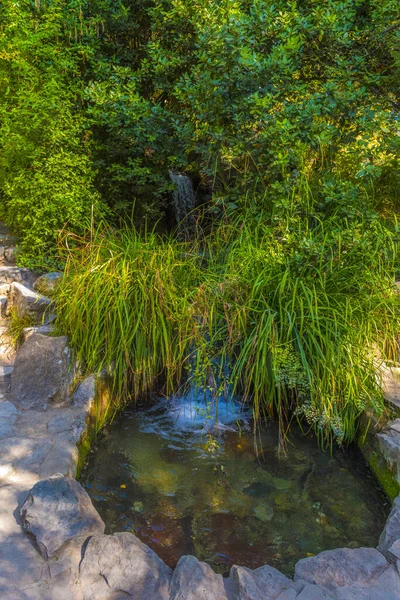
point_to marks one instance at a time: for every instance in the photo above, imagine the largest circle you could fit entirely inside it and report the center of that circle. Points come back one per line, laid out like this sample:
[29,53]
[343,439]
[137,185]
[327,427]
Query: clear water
[186,486]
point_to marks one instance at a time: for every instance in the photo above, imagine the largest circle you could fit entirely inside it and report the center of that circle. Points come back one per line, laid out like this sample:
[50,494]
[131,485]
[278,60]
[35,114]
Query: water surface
[182,486]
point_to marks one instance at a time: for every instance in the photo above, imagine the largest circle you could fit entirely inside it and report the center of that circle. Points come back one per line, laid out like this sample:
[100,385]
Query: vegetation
[298,315]
[285,116]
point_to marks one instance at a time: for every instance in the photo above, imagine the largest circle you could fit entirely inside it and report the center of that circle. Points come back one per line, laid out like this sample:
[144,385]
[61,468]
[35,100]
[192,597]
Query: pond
[184,476]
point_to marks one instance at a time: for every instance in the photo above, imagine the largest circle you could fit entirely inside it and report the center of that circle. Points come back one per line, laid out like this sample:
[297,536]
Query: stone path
[52,545]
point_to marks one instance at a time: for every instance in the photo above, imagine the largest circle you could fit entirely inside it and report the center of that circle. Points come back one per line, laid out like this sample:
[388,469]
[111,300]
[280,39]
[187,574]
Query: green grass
[301,312]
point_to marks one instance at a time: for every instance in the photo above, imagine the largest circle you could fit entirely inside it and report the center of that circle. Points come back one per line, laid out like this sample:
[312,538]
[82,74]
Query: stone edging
[52,542]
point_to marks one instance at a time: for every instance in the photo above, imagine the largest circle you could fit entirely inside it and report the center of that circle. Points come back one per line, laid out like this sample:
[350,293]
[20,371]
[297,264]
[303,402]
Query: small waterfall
[183,201]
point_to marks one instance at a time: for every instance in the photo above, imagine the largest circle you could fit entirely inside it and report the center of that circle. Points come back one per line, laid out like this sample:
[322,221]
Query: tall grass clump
[301,310]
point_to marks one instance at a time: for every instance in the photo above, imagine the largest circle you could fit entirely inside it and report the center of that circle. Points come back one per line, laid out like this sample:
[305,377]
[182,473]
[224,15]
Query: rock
[264,583]
[3,306]
[195,580]
[47,283]
[22,275]
[61,459]
[389,444]
[289,594]
[67,422]
[6,429]
[42,372]
[20,566]
[23,454]
[5,374]
[58,510]
[26,302]
[8,416]
[341,567]
[385,587]
[394,550]
[85,393]
[391,532]
[43,329]
[7,240]
[9,255]
[8,411]
[121,563]
[312,592]
[394,425]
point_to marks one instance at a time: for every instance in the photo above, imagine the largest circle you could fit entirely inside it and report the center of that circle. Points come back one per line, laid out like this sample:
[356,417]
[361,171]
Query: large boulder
[57,511]
[264,583]
[391,532]
[121,563]
[195,580]
[47,283]
[342,567]
[42,372]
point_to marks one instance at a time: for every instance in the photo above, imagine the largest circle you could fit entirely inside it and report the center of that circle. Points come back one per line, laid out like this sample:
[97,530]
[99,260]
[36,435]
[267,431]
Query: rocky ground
[52,542]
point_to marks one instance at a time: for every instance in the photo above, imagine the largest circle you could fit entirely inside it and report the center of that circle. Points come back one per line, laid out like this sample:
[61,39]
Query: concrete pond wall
[52,541]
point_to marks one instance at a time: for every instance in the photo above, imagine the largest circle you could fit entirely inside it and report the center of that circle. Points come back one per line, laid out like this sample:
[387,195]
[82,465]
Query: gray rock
[58,510]
[289,594]
[26,302]
[42,372]
[389,444]
[68,422]
[62,459]
[394,550]
[391,532]
[85,393]
[9,255]
[23,454]
[195,580]
[264,583]
[5,373]
[8,411]
[8,416]
[20,566]
[3,306]
[7,239]
[384,587]
[11,274]
[394,425]
[341,567]
[6,429]
[43,329]
[47,283]
[312,592]
[121,563]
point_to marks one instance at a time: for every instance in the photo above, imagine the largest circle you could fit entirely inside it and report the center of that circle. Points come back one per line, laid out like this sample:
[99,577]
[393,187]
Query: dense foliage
[293,324]
[285,116]
[99,99]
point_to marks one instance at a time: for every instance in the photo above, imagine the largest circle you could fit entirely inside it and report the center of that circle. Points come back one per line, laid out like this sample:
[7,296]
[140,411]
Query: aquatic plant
[301,309]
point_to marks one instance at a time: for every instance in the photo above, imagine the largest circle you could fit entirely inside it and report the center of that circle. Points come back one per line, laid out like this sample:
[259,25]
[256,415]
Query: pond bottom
[185,488]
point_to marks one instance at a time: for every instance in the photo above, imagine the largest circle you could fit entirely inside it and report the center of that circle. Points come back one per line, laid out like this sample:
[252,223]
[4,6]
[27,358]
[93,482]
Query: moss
[384,475]
[83,450]
[102,412]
